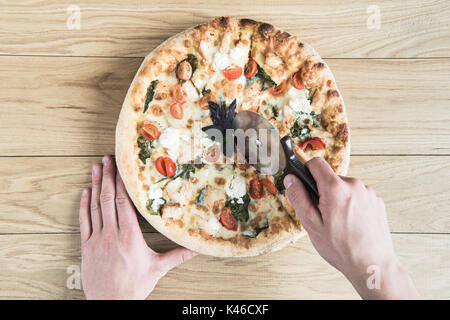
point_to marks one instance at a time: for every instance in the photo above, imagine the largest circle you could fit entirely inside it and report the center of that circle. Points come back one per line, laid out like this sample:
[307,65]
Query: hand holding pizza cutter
[263,149]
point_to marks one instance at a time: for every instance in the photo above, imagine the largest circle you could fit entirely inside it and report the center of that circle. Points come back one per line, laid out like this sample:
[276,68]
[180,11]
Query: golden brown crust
[266,43]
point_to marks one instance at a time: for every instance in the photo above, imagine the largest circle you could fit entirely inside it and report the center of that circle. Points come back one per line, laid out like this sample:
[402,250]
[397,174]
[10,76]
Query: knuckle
[121,201]
[107,197]
[95,205]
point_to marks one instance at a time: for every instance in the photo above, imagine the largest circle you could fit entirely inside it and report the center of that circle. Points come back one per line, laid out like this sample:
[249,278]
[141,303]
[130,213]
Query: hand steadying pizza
[349,231]
[116,261]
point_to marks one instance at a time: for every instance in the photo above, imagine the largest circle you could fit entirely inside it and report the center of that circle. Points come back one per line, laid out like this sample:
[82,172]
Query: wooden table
[61,91]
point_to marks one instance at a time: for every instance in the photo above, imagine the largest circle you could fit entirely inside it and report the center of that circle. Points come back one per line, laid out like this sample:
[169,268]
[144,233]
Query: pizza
[181,180]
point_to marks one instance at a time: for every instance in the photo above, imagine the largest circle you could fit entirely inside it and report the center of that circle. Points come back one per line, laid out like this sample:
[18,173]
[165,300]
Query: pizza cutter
[259,144]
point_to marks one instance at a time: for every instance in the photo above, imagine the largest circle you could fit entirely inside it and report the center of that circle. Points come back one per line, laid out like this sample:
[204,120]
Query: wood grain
[41,195]
[337,29]
[35,267]
[69,106]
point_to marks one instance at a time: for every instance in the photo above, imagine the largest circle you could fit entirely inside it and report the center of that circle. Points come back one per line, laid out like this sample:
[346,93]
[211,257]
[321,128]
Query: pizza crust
[162,58]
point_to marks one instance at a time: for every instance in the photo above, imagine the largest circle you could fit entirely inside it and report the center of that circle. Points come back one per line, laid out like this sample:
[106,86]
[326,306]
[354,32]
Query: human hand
[116,262]
[350,231]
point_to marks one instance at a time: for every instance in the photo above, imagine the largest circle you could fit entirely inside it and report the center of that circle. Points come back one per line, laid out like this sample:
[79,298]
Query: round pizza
[181,180]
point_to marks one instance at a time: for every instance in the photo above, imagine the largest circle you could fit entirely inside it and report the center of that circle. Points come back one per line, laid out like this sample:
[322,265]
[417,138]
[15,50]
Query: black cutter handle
[296,167]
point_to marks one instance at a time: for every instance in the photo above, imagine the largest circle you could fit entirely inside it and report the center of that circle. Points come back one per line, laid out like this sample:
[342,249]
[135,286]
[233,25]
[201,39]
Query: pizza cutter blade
[259,144]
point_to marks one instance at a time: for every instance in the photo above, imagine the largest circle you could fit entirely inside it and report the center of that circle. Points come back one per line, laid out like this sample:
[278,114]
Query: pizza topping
[150,94]
[269,185]
[253,232]
[256,189]
[203,102]
[239,207]
[165,166]
[228,220]
[235,187]
[221,60]
[178,93]
[315,143]
[154,206]
[201,197]
[176,110]
[279,183]
[232,72]
[251,69]
[155,192]
[184,70]
[264,79]
[297,81]
[278,89]
[150,131]
[300,128]
[145,147]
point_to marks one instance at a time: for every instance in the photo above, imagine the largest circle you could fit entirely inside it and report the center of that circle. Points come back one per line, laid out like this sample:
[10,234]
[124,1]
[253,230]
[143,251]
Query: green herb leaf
[149,207]
[145,147]
[279,183]
[150,94]
[239,210]
[266,80]
[193,61]
[300,131]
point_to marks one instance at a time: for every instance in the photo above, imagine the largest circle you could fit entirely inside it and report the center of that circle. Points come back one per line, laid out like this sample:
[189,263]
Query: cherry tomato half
[178,93]
[176,110]
[166,166]
[256,189]
[251,69]
[184,70]
[150,131]
[203,102]
[270,186]
[232,72]
[228,220]
[278,89]
[315,143]
[297,81]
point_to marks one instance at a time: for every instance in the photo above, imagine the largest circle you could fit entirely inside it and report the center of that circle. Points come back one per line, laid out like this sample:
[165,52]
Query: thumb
[301,202]
[171,259]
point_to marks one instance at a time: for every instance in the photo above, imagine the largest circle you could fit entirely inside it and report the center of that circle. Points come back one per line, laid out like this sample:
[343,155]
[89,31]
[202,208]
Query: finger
[108,194]
[321,172]
[125,209]
[96,215]
[85,217]
[173,258]
[301,202]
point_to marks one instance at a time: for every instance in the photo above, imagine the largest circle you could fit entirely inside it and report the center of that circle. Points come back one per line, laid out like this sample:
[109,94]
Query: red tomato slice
[176,110]
[165,166]
[278,89]
[315,143]
[232,72]
[214,154]
[256,189]
[297,81]
[227,219]
[270,186]
[251,69]
[178,93]
[170,167]
[150,131]
[184,70]
[203,102]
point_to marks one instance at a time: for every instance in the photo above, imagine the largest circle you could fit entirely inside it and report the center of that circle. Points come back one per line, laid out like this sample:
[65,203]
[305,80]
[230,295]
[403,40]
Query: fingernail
[96,170]
[105,160]
[85,193]
[288,181]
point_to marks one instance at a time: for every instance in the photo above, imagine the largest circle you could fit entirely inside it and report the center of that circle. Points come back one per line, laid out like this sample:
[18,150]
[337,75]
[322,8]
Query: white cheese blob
[190,91]
[239,54]
[300,105]
[155,192]
[236,188]
[221,60]
[156,204]
[240,201]
[213,225]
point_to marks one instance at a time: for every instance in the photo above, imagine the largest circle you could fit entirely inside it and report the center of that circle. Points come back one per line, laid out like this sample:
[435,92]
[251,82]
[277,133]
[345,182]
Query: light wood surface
[61,91]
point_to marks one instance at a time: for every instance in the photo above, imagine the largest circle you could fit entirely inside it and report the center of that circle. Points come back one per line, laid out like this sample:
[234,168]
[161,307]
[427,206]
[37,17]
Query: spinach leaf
[183,170]
[150,94]
[145,148]
[275,110]
[205,91]
[239,210]
[149,207]
[300,130]
[312,93]
[279,183]
[201,196]
[252,233]
[266,80]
